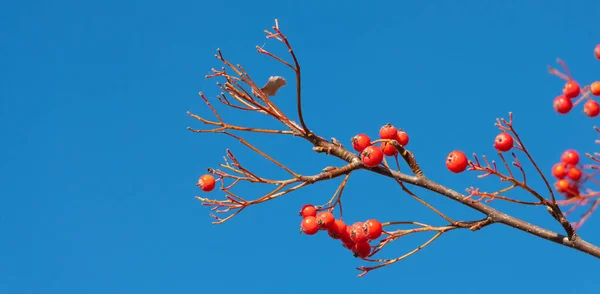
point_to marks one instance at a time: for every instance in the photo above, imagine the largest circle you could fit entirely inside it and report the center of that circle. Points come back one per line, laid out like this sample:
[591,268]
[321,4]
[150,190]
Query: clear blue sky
[98,169]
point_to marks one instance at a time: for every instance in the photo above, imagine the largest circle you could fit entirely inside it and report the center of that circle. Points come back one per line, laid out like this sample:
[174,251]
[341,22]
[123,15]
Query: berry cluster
[372,155]
[355,237]
[563,104]
[568,174]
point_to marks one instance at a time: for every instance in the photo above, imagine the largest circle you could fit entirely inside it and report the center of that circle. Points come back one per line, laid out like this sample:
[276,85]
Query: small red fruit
[597,51]
[388,131]
[595,88]
[572,191]
[362,249]
[357,233]
[336,230]
[402,138]
[373,229]
[591,108]
[309,225]
[570,157]
[503,142]
[325,220]
[574,173]
[388,149]
[372,156]
[456,161]
[206,183]
[559,170]
[360,142]
[562,104]
[562,185]
[345,236]
[571,89]
[308,210]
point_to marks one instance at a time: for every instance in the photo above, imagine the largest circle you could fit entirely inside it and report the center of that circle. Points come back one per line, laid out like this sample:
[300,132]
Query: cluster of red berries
[206,183]
[355,237]
[571,90]
[457,161]
[372,155]
[568,173]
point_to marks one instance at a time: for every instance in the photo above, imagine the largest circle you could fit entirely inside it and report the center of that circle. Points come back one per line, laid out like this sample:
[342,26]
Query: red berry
[574,173]
[357,233]
[562,104]
[562,185]
[597,51]
[372,156]
[362,249]
[388,131]
[206,183]
[309,225]
[345,236]
[595,88]
[389,149]
[503,142]
[360,142]
[591,108]
[570,157]
[559,170]
[572,191]
[308,210]
[456,161]
[571,89]
[325,220]
[402,138]
[373,229]
[336,230]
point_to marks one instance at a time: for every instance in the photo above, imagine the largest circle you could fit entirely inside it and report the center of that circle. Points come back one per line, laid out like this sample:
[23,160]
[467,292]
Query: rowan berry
[597,51]
[572,191]
[571,89]
[570,157]
[336,230]
[372,156]
[309,225]
[308,210]
[595,88]
[559,170]
[360,142]
[362,249]
[388,131]
[206,183]
[591,108]
[345,236]
[388,149]
[456,161]
[562,185]
[562,104]
[402,138]
[503,142]
[574,174]
[357,233]
[373,229]
[325,220]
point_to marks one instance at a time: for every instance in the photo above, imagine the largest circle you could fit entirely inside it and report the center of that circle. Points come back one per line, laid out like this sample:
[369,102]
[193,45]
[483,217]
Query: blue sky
[98,170]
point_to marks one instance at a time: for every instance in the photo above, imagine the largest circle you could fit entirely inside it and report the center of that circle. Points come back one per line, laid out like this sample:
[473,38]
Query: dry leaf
[273,85]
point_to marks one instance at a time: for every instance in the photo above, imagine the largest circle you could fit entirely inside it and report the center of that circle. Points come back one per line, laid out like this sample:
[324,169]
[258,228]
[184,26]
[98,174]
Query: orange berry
[373,228]
[559,170]
[325,220]
[571,89]
[372,156]
[362,249]
[336,230]
[574,174]
[402,138]
[360,142]
[388,149]
[595,88]
[503,142]
[570,157]
[309,225]
[206,183]
[308,210]
[562,185]
[562,104]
